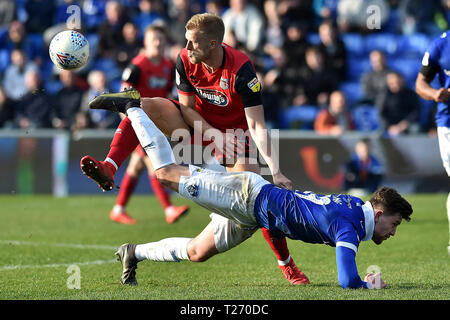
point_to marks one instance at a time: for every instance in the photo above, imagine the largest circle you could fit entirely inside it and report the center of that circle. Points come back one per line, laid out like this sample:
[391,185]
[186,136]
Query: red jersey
[222,95]
[149,79]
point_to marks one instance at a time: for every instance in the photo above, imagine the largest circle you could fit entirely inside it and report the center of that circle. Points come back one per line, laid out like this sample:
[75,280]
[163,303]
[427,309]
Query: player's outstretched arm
[348,273]
[260,134]
[348,276]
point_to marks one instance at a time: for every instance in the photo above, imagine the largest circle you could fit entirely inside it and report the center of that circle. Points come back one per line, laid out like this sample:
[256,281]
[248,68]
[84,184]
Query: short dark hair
[392,202]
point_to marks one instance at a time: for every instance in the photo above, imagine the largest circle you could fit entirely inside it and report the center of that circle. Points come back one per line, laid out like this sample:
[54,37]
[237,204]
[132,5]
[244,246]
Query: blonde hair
[210,25]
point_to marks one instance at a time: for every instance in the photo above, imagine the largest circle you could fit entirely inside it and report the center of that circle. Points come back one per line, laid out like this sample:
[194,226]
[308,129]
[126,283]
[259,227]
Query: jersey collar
[368,219]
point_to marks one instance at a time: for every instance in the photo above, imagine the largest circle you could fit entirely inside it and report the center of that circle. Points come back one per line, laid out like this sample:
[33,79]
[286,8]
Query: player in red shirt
[152,74]
[218,90]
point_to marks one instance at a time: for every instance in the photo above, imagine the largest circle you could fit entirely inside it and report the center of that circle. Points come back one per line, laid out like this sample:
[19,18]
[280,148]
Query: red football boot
[174,213]
[121,217]
[293,274]
[99,171]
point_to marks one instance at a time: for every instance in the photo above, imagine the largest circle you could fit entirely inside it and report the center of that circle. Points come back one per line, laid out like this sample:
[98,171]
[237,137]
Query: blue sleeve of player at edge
[347,272]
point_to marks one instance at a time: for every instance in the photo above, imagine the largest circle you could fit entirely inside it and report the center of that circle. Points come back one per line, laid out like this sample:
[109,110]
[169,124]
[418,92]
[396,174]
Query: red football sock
[278,246]
[127,187]
[161,193]
[123,143]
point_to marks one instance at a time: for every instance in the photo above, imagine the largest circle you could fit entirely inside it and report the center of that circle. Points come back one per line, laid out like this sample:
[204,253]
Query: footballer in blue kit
[436,61]
[338,220]
[243,202]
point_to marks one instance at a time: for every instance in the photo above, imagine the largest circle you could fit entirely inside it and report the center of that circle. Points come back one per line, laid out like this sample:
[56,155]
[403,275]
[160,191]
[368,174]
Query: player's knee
[197,254]
[196,257]
[135,170]
[162,175]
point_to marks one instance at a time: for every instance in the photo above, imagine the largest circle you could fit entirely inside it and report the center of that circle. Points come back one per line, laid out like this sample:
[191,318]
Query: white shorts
[231,196]
[444,146]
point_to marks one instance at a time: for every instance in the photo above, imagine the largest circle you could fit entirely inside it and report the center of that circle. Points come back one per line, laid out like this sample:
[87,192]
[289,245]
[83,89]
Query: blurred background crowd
[325,65]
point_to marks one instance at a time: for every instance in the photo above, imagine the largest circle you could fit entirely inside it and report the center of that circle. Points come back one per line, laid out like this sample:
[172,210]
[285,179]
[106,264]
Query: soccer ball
[69,50]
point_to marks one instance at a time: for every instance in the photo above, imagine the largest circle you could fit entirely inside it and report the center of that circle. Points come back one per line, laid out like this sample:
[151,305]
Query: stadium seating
[354,43]
[408,67]
[4,59]
[299,117]
[357,66]
[413,45]
[365,118]
[386,42]
[109,67]
[352,91]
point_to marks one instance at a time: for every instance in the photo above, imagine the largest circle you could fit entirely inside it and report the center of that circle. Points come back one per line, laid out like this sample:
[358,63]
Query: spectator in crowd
[325,9]
[7,12]
[445,15]
[35,107]
[110,31]
[297,10]
[67,101]
[336,119]
[124,52]
[17,39]
[295,43]
[398,106]
[149,13]
[81,121]
[247,23]
[314,82]
[93,14]
[271,101]
[288,61]
[363,171]
[334,49]
[101,119]
[274,33]
[6,110]
[39,15]
[373,83]
[216,7]
[179,12]
[14,78]
[417,17]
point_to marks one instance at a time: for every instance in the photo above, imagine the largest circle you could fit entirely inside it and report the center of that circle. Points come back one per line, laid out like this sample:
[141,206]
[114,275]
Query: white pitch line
[63,245]
[56,265]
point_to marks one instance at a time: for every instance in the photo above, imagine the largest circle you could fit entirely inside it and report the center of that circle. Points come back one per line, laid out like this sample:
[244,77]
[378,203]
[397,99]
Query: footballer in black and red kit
[222,95]
[151,80]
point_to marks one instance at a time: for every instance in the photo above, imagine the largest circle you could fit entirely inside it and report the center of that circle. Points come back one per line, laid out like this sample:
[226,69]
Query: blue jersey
[341,221]
[437,57]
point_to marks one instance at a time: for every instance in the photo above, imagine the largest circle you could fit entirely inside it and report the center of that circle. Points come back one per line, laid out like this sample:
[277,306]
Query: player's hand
[374,281]
[442,95]
[231,147]
[280,180]
[227,142]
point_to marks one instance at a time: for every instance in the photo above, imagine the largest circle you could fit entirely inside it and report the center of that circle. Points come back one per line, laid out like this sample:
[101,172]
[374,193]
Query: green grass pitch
[40,237]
